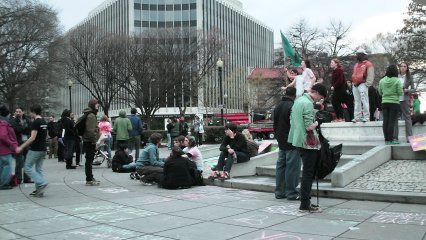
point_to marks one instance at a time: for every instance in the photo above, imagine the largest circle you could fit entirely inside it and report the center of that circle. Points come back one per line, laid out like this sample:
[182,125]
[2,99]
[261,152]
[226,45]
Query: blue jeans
[287,173]
[130,166]
[169,141]
[310,160]
[135,143]
[5,169]
[107,146]
[35,158]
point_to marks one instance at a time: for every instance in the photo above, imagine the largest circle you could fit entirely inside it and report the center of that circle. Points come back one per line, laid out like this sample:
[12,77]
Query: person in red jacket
[8,145]
[362,79]
[338,86]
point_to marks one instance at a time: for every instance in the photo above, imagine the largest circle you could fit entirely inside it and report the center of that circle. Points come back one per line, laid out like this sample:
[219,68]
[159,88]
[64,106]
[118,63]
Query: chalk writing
[116,215]
[113,190]
[279,236]
[348,212]
[290,209]
[153,199]
[400,218]
[103,232]
[255,220]
[17,206]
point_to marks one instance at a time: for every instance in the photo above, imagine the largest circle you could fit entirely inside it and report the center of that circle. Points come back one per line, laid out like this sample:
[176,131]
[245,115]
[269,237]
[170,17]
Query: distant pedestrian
[183,126]
[8,146]
[338,86]
[304,136]
[198,130]
[390,88]
[136,133]
[169,127]
[362,79]
[90,136]
[69,138]
[122,129]
[37,152]
[175,130]
[289,162]
[404,101]
[53,140]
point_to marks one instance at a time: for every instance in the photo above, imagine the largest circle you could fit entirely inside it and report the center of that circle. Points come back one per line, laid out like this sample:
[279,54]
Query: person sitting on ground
[122,161]
[251,144]
[233,148]
[177,171]
[149,165]
[193,153]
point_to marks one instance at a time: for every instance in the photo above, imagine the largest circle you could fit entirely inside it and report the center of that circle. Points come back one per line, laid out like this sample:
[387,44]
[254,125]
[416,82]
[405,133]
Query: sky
[367,18]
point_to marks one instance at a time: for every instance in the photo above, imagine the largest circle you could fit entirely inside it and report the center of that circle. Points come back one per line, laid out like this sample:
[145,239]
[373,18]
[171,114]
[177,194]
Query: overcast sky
[366,17]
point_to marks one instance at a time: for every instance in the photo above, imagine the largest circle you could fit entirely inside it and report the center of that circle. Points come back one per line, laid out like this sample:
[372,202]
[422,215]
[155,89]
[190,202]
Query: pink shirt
[104,127]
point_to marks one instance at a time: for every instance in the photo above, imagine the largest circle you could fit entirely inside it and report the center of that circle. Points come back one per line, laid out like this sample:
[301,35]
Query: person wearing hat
[90,137]
[362,79]
[303,136]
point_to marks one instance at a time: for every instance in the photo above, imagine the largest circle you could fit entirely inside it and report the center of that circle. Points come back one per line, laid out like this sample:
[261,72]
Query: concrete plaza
[121,208]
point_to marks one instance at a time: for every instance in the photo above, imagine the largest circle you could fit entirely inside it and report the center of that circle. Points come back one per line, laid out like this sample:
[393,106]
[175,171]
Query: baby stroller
[101,155]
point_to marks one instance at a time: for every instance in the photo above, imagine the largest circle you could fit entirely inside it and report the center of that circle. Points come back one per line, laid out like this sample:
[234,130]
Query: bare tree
[27,29]
[95,59]
[304,37]
[335,38]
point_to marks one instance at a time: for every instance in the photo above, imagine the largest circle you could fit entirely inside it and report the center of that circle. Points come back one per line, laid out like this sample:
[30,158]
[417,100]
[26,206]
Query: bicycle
[101,156]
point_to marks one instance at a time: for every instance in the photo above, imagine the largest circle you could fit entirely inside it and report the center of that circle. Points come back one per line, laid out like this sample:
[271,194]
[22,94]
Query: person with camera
[303,136]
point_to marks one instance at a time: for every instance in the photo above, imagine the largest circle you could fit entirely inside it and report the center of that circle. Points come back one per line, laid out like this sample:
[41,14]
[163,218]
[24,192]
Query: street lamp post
[219,65]
[225,103]
[70,83]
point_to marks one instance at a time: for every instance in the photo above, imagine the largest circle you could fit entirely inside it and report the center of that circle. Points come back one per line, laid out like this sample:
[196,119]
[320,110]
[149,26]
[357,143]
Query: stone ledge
[360,165]
[249,168]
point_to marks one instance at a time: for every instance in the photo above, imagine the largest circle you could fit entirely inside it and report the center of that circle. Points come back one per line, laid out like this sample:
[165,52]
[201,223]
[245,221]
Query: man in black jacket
[288,163]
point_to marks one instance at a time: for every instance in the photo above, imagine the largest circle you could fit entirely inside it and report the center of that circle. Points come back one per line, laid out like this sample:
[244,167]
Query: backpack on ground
[80,125]
[329,157]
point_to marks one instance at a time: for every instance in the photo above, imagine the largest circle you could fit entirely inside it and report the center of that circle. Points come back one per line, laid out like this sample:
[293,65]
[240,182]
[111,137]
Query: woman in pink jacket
[105,132]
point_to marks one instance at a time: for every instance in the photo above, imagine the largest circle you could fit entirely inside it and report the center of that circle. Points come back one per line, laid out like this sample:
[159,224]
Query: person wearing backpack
[304,136]
[122,128]
[90,136]
[8,145]
[135,134]
[37,152]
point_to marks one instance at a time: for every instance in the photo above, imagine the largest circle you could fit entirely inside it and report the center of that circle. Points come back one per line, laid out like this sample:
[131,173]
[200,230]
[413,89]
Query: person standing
[175,131]
[135,134]
[69,138]
[22,126]
[198,131]
[362,79]
[390,87]
[37,152]
[338,86]
[53,140]
[404,101]
[169,127]
[307,75]
[288,163]
[122,129]
[183,126]
[304,136]
[90,136]
[297,82]
[8,146]
[105,129]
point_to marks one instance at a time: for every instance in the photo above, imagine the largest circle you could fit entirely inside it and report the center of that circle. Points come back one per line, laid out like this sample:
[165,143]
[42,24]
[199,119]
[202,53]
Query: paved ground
[121,208]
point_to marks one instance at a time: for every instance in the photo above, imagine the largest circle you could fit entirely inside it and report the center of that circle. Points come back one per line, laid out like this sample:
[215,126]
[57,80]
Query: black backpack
[329,157]
[80,125]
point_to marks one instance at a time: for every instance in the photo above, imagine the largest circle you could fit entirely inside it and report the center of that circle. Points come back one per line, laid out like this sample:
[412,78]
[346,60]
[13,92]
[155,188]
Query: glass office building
[249,43]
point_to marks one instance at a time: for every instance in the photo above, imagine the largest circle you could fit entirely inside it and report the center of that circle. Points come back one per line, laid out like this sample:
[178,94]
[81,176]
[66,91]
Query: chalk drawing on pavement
[256,220]
[400,218]
[291,209]
[113,190]
[280,236]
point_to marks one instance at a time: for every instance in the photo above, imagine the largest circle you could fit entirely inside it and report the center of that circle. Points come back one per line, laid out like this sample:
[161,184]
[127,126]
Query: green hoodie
[390,89]
[122,126]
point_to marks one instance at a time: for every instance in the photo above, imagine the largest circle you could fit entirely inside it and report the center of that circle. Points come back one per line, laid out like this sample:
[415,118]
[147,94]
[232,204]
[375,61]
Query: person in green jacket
[390,88]
[303,136]
[122,128]
[416,104]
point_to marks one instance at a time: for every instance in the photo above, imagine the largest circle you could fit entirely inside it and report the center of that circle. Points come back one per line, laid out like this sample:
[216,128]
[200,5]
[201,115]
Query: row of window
[165,24]
[164,1]
[162,7]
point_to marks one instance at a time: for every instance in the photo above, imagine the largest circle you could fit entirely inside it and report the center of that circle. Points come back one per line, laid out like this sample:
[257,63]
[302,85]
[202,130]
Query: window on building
[137,6]
[169,7]
[161,24]
[153,24]
[193,6]
[185,6]
[145,6]
[145,24]
[153,7]
[161,7]
[137,23]
[178,7]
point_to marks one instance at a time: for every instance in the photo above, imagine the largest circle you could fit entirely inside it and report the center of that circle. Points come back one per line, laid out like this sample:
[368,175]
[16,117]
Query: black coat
[282,122]
[177,173]
[120,158]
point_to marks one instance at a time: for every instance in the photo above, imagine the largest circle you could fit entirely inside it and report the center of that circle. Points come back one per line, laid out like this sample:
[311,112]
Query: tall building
[249,44]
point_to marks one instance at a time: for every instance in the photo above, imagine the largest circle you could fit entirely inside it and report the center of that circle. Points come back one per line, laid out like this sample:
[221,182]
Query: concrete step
[269,170]
[267,184]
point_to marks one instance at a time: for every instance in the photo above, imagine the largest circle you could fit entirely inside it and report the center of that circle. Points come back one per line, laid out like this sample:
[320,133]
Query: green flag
[289,51]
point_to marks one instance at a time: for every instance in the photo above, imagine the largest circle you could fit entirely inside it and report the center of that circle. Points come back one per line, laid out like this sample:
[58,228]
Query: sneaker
[355,120]
[224,176]
[39,192]
[363,120]
[132,176]
[311,209]
[144,183]
[394,142]
[213,176]
[94,182]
